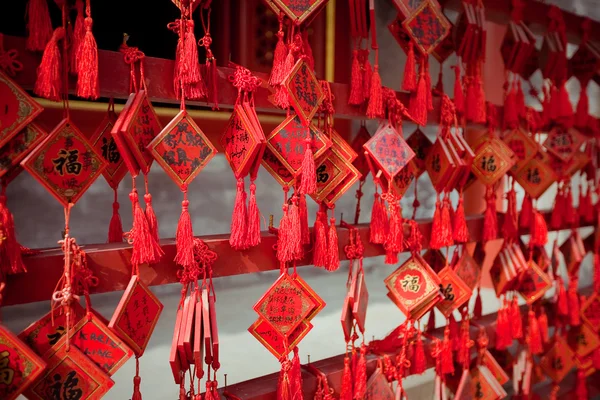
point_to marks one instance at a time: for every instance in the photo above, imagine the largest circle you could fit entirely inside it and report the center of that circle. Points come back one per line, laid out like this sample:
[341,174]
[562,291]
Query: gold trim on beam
[330,41]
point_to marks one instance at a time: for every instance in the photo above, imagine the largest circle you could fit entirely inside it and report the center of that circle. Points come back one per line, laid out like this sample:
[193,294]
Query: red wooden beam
[110,262]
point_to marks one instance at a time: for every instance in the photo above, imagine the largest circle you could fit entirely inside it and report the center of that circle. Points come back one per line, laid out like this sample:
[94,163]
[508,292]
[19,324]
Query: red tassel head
[308,183]
[526,214]
[346,391]
[39,25]
[460,231]
[49,77]
[333,256]
[409,82]
[356,82]
[490,221]
[375,106]
[88,85]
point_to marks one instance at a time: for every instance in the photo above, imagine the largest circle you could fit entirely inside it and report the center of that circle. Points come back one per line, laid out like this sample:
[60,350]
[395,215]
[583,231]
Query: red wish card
[304,91]
[19,365]
[536,176]
[583,340]
[492,160]
[346,183]
[558,361]
[71,375]
[18,109]
[378,387]
[361,301]
[420,144]
[199,339]
[345,150]
[105,144]
[182,149]
[564,143]
[174,357]
[136,315]
[277,170]
[590,311]
[273,341]
[347,319]
[533,283]
[214,331]
[240,143]
[468,270]
[454,290]
[318,302]
[389,150]
[427,26]
[439,165]
[65,163]
[522,145]
[19,146]
[118,135]
[331,170]
[299,11]
[100,344]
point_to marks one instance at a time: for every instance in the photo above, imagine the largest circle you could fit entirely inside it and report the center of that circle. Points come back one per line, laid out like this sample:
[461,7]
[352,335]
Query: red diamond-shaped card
[564,143]
[239,142]
[277,170]
[299,11]
[347,318]
[484,385]
[105,144]
[136,315]
[454,290]
[100,344]
[285,305]
[403,179]
[187,4]
[522,145]
[491,161]
[389,150]
[19,365]
[361,301]
[304,91]
[174,357]
[182,149]
[536,176]
[18,109]
[468,270]
[187,335]
[180,327]
[318,302]
[344,149]
[427,26]
[43,334]
[590,311]
[439,165]
[490,362]
[71,375]
[331,170]
[420,144]
[65,163]
[534,283]
[118,135]
[259,135]
[583,340]
[19,146]
[399,33]
[345,185]
[288,143]
[273,341]
[361,164]
[378,387]
[139,129]
[558,360]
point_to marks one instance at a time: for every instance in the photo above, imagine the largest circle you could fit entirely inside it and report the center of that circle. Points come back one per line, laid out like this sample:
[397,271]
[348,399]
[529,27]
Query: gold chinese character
[410,283]
[6,373]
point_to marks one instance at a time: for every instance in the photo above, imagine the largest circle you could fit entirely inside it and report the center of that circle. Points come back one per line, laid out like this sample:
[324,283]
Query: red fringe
[409,82]
[356,82]
[39,25]
[377,231]
[526,214]
[285,251]
[418,99]
[395,237]
[543,324]
[284,384]
[556,218]
[581,390]
[145,248]
[77,37]
[295,377]
[573,298]
[88,85]
[478,307]
[49,78]
[510,227]
[446,355]
[333,251]
[460,231]
[539,230]
[115,228]
[320,248]
[304,231]
[184,238]
[11,261]
[280,54]
[360,375]
[419,361]
[346,390]
[367,76]
[194,85]
[375,106]
[295,230]
[253,237]
[516,324]
[436,241]
[534,339]
[520,100]
[137,395]
[582,114]
[490,220]
[308,183]
[239,219]
[511,117]
[562,303]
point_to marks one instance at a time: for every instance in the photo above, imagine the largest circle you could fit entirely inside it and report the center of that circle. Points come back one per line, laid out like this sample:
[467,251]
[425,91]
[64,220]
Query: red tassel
[284,384]
[239,219]
[346,391]
[193,84]
[395,237]
[308,53]
[478,307]
[556,218]
[418,99]
[77,37]
[295,230]
[367,76]
[460,231]
[184,237]
[278,59]
[490,220]
[209,394]
[295,377]
[511,117]
[436,242]
[446,360]
[543,324]
[561,301]
[446,224]
[281,97]
[137,381]
[419,362]
[11,261]
[539,230]
[582,114]
[464,350]
[409,82]
[253,236]
[285,250]
[534,339]
[510,227]
[520,100]
[49,78]
[428,86]
[570,217]
[377,232]
[573,298]
[308,183]
[304,231]
[360,375]
[333,251]
[564,109]
[145,248]
[151,217]
[503,336]
[454,332]
[320,248]
[526,214]
[375,106]
[430,327]
[115,228]
[459,97]
[581,385]
[87,65]
[39,25]
[516,324]
[356,82]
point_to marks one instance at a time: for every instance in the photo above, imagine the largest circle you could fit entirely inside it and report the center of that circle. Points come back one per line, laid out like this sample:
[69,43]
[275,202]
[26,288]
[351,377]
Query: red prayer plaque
[361,301]
[277,170]
[583,340]
[484,386]
[100,344]
[564,143]
[454,290]
[347,319]
[273,341]
[378,387]
[182,149]
[590,311]
[361,163]
[489,361]
[439,165]
[259,134]
[208,358]
[314,297]
[558,361]
[104,143]
[65,163]
[140,127]
[536,176]
[288,143]
[427,26]
[420,144]
[492,161]
[349,180]
[389,150]
[185,315]
[522,145]
[19,365]
[468,270]
[199,339]
[17,148]
[136,315]
[403,179]
[174,359]
[18,109]
[240,145]
[285,305]
[534,283]
[42,335]
[214,331]
[304,91]
[344,149]
[71,375]
[299,10]
[118,133]
[331,169]
[188,330]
